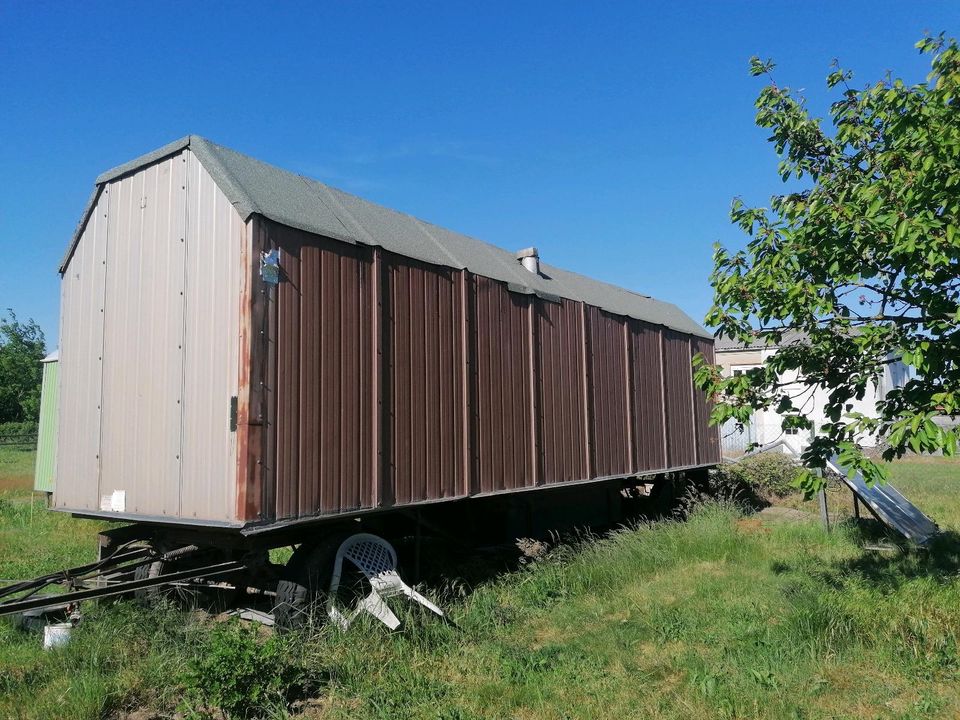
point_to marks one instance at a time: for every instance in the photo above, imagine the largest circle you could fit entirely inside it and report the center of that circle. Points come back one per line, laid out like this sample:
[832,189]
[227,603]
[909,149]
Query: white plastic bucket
[56,635]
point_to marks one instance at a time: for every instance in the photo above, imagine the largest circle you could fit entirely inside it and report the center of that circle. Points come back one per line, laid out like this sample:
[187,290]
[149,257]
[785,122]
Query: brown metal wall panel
[256,395]
[324,376]
[678,395]
[708,437]
[254,482]
[609,394]
[560,374]
[649,433]
[470,382]
[398,382]
[425,366]
[262,391]
[289,324]
[505,386]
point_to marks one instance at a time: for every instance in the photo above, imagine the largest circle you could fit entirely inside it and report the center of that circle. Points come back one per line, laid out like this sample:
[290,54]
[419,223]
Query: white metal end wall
[81,351]
[149,349]
[142,381]
[212,344]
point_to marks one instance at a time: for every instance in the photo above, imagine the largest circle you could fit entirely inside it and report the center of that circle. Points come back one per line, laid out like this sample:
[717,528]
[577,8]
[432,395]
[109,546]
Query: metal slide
[889,506]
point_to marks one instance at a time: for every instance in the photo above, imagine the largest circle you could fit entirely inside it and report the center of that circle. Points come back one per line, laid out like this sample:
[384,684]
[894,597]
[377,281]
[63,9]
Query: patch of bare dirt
[16,482]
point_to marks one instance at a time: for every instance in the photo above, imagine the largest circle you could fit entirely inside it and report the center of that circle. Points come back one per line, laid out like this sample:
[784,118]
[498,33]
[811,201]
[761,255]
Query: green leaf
[861,263]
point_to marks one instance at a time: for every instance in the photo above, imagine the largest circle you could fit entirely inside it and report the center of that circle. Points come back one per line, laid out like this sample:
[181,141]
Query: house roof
[722,343]
[257,188]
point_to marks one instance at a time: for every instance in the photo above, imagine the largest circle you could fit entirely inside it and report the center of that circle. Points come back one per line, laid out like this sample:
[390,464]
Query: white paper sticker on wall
[118,501]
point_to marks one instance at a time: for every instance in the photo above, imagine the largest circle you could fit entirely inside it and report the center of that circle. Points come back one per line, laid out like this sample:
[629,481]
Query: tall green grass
[36,541]
[720,616]
[713,617]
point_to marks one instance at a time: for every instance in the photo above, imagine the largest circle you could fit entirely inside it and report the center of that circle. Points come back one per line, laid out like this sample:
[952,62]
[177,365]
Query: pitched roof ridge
[334,205]
[443,248]
[304,203]
[171,148]
[601,282]
[235,191]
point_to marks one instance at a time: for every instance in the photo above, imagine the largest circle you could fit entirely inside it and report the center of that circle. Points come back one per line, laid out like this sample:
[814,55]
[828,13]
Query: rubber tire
[151,594]
[144,572]
[292,602]
[304,582]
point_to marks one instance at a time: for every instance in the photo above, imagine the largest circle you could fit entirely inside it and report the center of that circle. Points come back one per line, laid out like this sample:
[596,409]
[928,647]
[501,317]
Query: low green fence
[18,434]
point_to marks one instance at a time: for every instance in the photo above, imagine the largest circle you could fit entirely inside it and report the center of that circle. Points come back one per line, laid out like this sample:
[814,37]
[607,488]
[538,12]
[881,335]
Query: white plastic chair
[377,560]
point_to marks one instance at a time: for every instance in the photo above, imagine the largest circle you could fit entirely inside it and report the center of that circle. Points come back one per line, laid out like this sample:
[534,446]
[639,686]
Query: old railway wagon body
[390,363]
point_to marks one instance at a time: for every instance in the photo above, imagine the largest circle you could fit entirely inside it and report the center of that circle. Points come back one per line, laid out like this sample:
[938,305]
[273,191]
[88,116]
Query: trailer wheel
[304,582]
[145,572]
[190,597]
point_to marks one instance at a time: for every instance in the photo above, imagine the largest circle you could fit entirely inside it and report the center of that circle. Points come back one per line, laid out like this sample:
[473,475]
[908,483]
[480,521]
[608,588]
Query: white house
[765,427]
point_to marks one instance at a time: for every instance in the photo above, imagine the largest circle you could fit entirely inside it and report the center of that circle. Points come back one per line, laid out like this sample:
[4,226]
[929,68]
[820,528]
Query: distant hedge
[18,431]
[771,474]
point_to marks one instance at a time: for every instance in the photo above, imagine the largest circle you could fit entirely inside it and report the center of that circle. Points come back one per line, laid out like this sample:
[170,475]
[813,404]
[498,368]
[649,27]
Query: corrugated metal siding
[325,366]
[561,385]
[504,372]
[43,476]
[365,379]
[424,354]
[397,381]
[678,388]
[160,306]
[388,381]
[289,327]
[142,390]
[610,394]
[256,396]
[708,438]
[211,350]
[648,396]
[81,350]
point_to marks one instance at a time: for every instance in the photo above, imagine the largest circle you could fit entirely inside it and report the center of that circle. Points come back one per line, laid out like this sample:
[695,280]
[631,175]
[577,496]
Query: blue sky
[611,136]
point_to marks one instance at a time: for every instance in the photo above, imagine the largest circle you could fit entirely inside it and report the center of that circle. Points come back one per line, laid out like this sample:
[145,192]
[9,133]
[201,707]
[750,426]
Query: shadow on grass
[452,570]
[896,564]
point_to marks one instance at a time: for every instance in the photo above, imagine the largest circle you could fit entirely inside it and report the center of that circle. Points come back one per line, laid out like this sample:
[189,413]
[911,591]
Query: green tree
[864,259]
[21,350]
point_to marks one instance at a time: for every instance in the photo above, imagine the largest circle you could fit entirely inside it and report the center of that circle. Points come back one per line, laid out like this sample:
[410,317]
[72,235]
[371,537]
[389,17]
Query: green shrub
[768,474]
[245,676]
[18,430]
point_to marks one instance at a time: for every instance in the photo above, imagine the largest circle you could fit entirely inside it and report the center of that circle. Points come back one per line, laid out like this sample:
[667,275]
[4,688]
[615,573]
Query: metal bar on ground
[16,606]
[71,573]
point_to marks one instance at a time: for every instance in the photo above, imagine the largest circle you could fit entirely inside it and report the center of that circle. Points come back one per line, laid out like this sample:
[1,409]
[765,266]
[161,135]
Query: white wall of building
[766,426]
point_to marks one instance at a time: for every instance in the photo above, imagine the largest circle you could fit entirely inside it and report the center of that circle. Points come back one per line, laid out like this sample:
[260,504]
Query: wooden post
[824,512]
[856,506]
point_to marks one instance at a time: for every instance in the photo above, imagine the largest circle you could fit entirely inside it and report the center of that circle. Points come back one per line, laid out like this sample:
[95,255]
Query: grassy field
[32,540]
[721,616]
[16,469]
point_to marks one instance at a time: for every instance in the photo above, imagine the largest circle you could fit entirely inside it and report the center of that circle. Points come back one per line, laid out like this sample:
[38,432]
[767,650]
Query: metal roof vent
[530,259]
